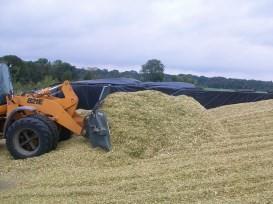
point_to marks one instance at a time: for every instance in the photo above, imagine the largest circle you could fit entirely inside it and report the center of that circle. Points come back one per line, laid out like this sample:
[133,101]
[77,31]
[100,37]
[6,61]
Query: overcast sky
[232,38]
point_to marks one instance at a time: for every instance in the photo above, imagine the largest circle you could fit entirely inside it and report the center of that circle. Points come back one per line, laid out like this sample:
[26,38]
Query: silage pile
[157,145]
[165,150]
[255,117]
[145,123]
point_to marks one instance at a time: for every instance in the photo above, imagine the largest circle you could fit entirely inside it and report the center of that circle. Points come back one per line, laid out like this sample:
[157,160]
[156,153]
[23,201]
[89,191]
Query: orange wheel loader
[33,123]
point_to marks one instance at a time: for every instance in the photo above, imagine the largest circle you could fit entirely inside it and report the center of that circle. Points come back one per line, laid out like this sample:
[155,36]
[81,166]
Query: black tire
[64,134]
[28,137]
[52,126]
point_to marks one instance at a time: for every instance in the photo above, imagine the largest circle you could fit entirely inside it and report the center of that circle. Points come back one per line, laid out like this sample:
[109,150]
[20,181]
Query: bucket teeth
[97,130]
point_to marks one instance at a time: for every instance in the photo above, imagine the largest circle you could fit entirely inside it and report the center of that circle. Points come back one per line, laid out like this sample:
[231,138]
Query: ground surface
[232,167]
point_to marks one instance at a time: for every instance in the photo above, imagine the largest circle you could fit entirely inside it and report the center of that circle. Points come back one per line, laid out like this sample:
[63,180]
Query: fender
[13,113]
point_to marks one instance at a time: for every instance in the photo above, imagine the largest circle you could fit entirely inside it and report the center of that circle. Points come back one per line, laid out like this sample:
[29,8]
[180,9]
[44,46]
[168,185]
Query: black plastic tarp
[89,92]
[213,99]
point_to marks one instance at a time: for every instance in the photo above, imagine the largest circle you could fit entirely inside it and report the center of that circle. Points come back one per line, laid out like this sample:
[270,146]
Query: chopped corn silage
[203,164]
[147,122]
[255,117]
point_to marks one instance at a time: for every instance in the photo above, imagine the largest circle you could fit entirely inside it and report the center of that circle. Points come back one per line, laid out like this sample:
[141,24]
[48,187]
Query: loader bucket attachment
[97,130]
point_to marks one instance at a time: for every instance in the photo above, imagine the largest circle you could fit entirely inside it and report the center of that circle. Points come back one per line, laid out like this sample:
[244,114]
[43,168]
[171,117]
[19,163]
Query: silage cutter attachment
[97,129]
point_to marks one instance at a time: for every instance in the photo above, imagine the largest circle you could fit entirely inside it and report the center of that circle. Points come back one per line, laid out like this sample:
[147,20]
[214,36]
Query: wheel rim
[26,142]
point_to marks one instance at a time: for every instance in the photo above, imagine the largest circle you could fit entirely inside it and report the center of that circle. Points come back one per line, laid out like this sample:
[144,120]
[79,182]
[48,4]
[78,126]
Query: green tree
[153,70]
[67,75]
[183,78]
[88,75]
[63,71]
[12,60]
[16,64]
[114,73]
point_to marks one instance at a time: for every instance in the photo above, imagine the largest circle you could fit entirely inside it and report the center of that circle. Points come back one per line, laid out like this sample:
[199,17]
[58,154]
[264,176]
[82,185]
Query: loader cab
[5,83]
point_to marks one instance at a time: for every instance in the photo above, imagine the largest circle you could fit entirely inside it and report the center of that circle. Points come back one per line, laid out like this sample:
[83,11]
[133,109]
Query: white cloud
[230,38]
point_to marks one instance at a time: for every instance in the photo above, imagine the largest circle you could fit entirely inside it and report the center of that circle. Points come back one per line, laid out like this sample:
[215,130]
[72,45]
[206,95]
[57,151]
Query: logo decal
[37,101]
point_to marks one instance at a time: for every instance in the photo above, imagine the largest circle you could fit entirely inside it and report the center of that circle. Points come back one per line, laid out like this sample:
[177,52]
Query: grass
[163,153]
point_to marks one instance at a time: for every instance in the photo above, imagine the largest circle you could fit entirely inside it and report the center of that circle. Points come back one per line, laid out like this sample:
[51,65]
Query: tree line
[43,73]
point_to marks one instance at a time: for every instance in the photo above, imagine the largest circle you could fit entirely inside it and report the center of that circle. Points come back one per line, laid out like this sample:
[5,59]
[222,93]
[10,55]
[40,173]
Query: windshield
[5,80]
